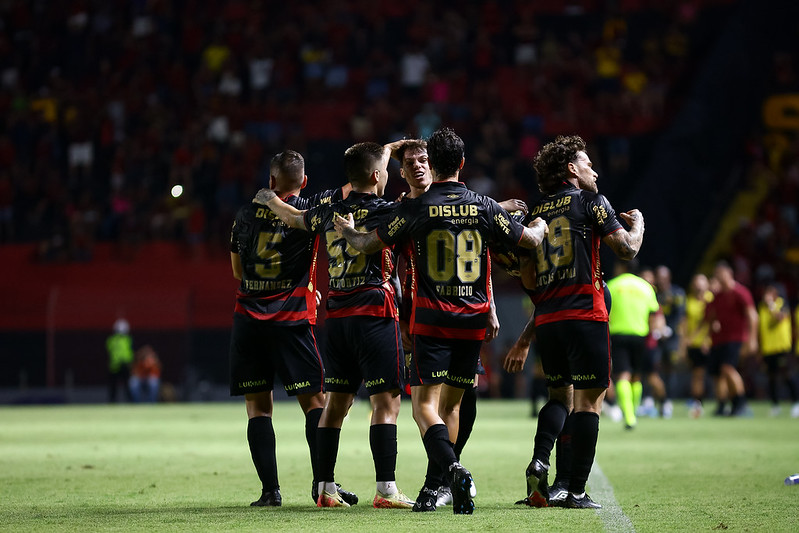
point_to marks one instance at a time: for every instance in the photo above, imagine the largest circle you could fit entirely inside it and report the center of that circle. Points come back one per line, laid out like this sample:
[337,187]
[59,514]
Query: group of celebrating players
[436,319]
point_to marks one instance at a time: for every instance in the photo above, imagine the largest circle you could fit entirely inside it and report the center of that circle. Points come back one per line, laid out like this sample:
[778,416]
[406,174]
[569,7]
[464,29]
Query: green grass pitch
[186,467]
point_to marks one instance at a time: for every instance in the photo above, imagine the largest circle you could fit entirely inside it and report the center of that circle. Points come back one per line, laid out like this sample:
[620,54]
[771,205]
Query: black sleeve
[395,222]
[603,215]
[325,197]
[504,229]
[241,228]
[316,218]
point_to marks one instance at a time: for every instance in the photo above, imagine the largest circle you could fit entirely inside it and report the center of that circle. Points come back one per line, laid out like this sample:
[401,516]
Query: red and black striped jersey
[360,284]
[450,228]
[568,284]
[278,262]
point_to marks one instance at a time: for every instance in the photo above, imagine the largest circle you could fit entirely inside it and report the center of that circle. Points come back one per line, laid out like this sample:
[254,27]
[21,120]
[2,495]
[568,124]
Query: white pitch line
[613,518]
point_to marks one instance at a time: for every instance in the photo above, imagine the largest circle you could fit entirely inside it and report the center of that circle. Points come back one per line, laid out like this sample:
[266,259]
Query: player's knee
[424,414]
[385,406]
[562,395]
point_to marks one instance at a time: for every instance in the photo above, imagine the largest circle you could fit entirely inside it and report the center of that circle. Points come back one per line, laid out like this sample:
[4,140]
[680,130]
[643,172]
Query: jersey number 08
[449,254]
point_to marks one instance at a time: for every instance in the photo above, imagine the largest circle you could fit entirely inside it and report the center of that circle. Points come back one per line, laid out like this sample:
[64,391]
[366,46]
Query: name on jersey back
[267,285]
[555,275]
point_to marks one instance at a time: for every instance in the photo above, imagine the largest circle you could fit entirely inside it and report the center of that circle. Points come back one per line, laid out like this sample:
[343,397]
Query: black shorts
[575,352]
[727,353]
[630,354]
[778,363]
[669,346]
[697,357]
[653,358]
[364,349]
[451,361]
[259,349]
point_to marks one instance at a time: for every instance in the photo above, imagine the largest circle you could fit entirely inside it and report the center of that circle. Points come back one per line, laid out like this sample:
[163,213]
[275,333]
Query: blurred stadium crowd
[108,104]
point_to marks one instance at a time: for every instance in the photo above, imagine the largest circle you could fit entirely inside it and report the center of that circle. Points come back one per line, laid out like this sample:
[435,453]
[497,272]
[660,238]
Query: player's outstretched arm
[367,243]
[534,233]
[290,215]
[626,244]
[517,354]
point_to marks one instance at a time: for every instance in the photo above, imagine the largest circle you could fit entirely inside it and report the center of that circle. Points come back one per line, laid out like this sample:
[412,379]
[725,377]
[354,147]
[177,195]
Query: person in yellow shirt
[774,323]
[696,339]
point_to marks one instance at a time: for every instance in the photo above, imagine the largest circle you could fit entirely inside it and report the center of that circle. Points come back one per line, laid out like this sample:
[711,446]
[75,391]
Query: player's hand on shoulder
[342,223]
[513,205]
[263,196]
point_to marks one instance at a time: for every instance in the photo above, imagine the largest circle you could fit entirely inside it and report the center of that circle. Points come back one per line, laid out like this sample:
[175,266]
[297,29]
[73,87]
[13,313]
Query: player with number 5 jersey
[274,317]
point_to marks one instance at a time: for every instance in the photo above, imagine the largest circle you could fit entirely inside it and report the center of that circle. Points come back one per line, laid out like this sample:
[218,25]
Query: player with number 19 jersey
[449,229]
[568,284]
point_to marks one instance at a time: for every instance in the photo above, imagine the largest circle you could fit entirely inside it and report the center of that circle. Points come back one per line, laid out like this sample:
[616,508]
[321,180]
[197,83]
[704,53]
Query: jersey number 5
[270,265]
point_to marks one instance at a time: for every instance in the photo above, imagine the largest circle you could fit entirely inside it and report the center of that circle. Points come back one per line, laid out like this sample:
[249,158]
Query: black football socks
[585,430]
[468,414]
[383,441]
[311,423]
[439,451]
[261,438]
[563,452]
[327,451]
[551,419]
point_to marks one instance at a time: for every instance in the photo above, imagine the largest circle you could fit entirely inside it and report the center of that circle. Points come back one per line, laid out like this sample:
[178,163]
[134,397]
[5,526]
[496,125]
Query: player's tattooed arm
[534,233]
[290,215]
[626,244]
[517,354]
[367,243]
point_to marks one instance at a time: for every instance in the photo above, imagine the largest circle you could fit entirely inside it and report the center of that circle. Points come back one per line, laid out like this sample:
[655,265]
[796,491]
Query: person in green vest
[774,323]
[634,308]
[120,358]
